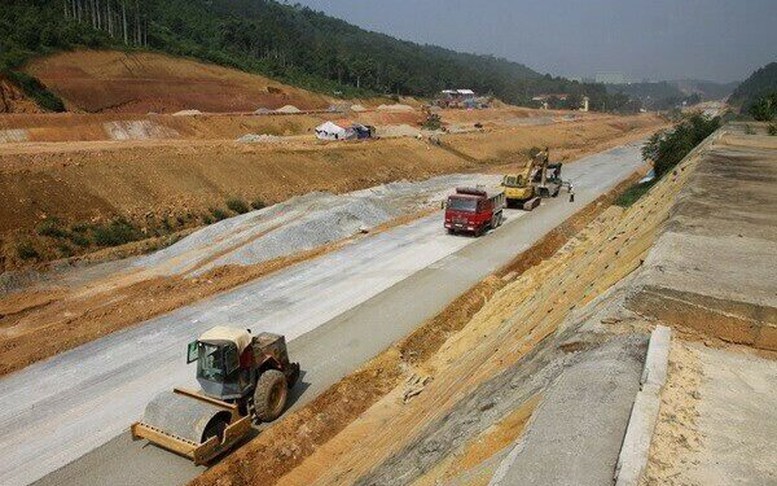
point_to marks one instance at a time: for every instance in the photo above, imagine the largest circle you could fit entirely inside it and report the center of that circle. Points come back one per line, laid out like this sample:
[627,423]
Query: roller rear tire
[270,395]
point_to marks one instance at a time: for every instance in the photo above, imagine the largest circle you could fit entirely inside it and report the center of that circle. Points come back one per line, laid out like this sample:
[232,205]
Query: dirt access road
[357,301]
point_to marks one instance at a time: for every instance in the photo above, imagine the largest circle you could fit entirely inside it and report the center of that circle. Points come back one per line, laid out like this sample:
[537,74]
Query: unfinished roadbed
[420,412]
[334,302]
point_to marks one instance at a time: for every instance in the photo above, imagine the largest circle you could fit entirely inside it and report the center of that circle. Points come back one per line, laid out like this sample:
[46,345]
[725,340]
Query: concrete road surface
[339,310]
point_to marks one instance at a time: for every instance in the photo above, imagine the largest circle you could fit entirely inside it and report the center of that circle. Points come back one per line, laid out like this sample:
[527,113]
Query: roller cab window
[216,361]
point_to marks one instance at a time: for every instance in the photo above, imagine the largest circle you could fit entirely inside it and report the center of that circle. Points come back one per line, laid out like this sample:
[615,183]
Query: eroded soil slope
[100,81]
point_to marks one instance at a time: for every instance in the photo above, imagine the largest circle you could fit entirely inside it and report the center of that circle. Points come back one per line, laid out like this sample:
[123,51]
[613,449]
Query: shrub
[117,232]
[79,238]
[772,128]
[749,130]
[633,193]
[27,251]
[258,204]
[764,108]
[80,227]
[64,249]
[51,228]
[237,205]
[218,214]
[666,149]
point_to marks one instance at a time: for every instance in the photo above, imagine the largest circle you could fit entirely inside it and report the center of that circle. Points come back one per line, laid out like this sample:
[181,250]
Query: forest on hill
[761,84]
[293,44]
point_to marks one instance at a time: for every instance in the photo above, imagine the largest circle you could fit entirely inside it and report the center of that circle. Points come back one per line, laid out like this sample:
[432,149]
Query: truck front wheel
[270,395]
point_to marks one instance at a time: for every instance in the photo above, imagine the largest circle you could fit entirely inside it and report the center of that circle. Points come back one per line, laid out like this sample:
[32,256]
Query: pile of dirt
[394,131]
[138,130]
[259,138]
[288,109]
[396,107]
[187,113]
[112,81]
[358,108]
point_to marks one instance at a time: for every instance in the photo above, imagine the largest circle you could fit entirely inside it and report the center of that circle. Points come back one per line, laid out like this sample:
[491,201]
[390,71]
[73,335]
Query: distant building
[610,77]
[457,98]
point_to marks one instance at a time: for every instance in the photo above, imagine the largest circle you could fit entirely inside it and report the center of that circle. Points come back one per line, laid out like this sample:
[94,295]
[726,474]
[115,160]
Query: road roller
[244,378]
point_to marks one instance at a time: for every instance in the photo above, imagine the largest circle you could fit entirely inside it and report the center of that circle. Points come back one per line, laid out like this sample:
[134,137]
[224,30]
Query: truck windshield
[210,362]
[462,204]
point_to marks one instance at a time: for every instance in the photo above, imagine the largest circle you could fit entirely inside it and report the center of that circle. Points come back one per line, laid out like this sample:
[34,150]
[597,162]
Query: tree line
[127,20]
[293,44]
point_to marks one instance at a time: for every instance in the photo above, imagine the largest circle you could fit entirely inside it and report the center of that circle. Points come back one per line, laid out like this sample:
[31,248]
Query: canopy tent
[331,131]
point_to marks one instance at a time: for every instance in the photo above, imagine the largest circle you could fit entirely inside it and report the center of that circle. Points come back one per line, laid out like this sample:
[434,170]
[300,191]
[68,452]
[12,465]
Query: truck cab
[474,210]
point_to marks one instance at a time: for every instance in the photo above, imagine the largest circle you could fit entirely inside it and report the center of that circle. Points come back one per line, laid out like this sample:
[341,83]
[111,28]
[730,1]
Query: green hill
[290,43]
[762,82]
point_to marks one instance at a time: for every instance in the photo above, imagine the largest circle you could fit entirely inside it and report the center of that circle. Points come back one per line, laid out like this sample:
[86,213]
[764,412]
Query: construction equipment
[538,180]
[474,210]
[243,377]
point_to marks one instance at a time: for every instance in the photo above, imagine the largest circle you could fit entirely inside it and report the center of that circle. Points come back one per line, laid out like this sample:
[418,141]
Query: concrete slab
[714,268]
[576,433]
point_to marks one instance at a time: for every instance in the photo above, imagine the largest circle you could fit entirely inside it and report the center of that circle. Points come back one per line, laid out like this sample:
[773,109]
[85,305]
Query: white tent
[331,131]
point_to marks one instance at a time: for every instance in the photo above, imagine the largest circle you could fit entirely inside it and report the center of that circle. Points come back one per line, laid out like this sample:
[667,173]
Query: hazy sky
[658,39]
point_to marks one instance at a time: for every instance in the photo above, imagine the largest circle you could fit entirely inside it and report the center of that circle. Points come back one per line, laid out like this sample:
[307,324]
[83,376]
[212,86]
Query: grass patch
[64,249]
[258,204]
[633,193]
[218,214]
[117,232]
[51,227]
[772,129]
[27,251]
[79,239]
[237,205]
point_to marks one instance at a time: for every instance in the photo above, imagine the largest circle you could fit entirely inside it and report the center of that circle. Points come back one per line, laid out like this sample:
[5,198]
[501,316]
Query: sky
[715,40]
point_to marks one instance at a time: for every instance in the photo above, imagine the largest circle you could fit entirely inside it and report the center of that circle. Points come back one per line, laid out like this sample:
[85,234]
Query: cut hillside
[112,81]
[13,100]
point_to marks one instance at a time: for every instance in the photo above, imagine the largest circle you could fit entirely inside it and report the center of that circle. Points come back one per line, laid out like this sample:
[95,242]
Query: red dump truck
[474,210]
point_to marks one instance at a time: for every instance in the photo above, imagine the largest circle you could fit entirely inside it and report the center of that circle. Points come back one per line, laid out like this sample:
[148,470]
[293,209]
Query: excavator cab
[513,181]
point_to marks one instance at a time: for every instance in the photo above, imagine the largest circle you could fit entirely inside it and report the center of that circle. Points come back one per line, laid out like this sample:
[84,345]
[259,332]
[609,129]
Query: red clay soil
[111,81]
[12,100]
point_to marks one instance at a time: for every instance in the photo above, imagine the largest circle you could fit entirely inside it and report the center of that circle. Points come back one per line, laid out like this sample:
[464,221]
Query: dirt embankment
[112,81]
[169,185]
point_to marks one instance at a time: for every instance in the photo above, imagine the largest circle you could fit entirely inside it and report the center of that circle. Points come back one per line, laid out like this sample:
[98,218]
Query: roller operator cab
[474,210]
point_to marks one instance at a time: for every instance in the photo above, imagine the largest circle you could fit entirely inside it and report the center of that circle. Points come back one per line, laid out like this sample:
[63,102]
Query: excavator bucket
[531,204]
[191,424]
